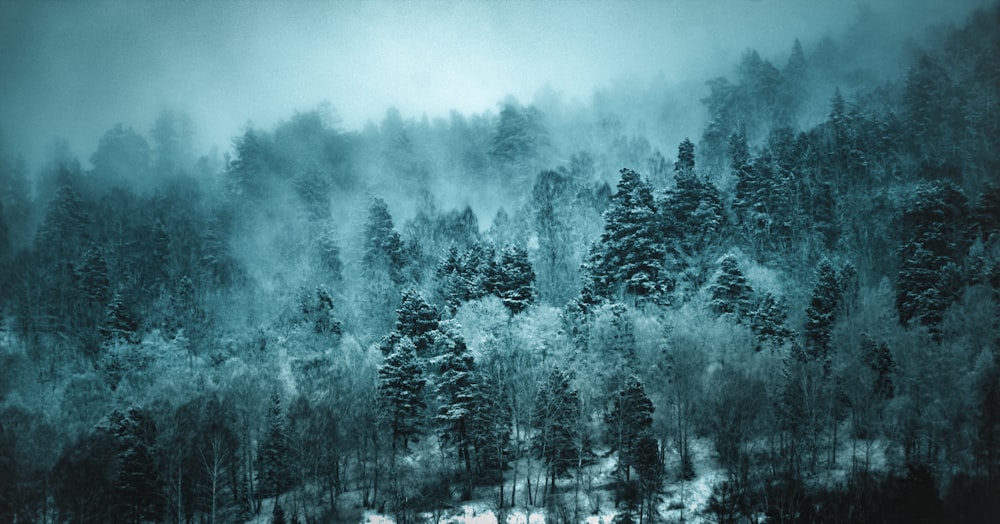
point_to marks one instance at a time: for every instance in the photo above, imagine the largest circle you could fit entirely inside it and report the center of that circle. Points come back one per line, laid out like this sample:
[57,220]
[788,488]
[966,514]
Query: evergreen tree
[275,473]
[822,311]
[768,322]
[401,393]
[384,249]
[318,310]
[629,420]
[514,280]
[137,483]
[630,255]
[458,395]
[416,320]
[120,322]
[935,239]
[451,289]
[731,294]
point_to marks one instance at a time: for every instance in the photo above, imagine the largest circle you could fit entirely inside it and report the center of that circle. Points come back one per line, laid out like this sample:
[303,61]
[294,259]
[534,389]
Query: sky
[74,69]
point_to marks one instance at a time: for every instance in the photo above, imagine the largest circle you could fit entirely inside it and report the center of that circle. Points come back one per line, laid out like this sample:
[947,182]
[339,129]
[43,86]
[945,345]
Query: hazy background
[75,69]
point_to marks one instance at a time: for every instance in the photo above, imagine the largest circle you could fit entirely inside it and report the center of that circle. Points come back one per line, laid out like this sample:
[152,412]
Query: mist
[75,69]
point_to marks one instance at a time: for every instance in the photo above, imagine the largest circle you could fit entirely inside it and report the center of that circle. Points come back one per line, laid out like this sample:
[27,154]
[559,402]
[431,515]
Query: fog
[75,69]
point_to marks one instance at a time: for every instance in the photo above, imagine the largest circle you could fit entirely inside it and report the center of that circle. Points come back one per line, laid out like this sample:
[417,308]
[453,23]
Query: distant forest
[797,308]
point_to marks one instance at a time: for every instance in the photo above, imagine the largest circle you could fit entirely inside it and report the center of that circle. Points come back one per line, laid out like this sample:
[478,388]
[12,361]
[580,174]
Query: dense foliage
[307,326]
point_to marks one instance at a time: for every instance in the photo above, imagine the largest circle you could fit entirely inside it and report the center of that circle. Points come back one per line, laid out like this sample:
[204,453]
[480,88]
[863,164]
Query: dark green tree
[515,278]
[731,294]
[936,236]
[137,481]
[274,470]
[628,420]
[383,249]
[459,398]
[824,306]
[630,255]
[401,393]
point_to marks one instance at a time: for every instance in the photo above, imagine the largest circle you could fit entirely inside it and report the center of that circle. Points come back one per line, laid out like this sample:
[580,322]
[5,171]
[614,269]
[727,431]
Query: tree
[275,472]
[122,157]
[137,483]
[514,279]
[731,294]
[383,249]
[555,416]
[458,397]
[935,239]
[768,322]
[630,255]
[824,305]
[401,393]
[318,310]
[417,321]
[629,419]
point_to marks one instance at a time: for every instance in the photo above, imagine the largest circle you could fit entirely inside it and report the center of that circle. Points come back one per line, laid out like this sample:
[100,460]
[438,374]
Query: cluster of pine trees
[808,308]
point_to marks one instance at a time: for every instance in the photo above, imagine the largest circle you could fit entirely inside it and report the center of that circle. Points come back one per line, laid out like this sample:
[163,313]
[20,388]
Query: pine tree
[275,471]
[630,255]
[416,320]
[822,311]
[137,483]
[401,393]
[515,278]
[458,395]
[120,322]
[451,290]
[629,420]
[731,294]
[936,236]
[384,249]
[768,322]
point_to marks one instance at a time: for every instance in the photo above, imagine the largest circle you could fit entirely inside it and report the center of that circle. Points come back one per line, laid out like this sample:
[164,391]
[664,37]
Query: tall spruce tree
[630,255]
[401,393]
[514,283]
[458,396]
[384,249]
[275,472]
[936,236]
[824,305]
[628,420]
[731,294]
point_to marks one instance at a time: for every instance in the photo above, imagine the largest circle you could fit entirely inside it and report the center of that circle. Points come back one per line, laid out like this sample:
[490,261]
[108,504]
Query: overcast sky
[74,69]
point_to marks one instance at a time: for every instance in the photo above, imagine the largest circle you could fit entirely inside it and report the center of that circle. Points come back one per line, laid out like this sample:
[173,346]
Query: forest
[545,311]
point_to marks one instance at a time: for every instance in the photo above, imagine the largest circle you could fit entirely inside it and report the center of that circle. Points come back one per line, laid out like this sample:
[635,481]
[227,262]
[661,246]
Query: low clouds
[75,69]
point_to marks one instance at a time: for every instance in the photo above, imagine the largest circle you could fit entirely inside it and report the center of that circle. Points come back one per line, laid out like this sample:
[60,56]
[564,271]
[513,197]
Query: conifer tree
[515,278]
[137,482]
[768,322]
[458,395]
[401,393]
[275,473]
[384,247]
[628,420]
[417,320]
[731,294]
[822,311]
[936,237]
[630,255]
